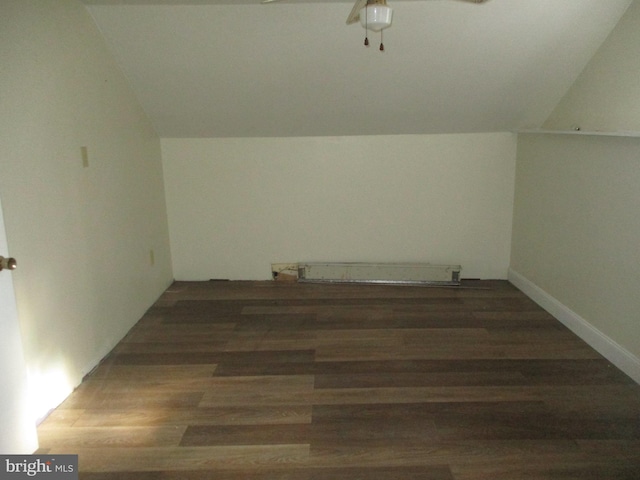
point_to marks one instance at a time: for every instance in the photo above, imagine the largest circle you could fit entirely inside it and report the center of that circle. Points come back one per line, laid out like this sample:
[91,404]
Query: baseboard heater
[387,273]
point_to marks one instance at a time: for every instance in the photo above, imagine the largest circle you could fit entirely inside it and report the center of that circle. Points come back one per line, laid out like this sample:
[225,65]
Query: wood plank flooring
[267,380]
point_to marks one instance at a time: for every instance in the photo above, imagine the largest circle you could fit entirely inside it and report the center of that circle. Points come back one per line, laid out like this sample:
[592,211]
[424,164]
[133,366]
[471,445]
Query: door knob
[8,263]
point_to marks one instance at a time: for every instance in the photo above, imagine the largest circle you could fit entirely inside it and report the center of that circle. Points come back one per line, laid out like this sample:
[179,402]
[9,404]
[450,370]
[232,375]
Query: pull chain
[366,25]
[381,44]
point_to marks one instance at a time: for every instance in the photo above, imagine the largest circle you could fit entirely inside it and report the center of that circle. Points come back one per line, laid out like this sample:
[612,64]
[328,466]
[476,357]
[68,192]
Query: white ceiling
[224,68]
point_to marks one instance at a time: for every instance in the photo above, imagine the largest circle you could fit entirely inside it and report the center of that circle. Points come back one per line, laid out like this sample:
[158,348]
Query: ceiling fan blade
[354,16]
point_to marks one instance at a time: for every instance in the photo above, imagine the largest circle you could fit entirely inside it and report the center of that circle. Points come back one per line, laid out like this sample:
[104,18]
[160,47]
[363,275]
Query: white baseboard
[605,346]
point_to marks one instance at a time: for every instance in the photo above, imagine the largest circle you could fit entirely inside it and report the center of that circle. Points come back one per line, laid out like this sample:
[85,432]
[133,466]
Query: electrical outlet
[152,257]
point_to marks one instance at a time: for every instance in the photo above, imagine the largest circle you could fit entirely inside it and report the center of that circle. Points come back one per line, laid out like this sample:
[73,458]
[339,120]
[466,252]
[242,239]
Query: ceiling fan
[354,16]
[376,15]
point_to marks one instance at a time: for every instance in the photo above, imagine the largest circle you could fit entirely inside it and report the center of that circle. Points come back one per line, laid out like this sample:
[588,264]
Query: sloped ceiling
[294,68]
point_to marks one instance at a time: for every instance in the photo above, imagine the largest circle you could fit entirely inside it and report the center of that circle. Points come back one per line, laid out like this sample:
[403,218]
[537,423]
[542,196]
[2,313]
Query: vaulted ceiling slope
[224,68]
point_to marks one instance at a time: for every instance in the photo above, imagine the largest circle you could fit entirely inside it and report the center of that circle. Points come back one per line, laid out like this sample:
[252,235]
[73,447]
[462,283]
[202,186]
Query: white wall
[236,205]
[576,235]
[82,236]
[576,227]
[605,96]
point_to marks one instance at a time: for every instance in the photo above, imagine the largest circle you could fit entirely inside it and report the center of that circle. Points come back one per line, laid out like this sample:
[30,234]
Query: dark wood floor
[266,380]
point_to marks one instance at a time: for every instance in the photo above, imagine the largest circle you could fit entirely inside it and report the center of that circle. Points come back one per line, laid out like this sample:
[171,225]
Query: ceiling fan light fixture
[376,17]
